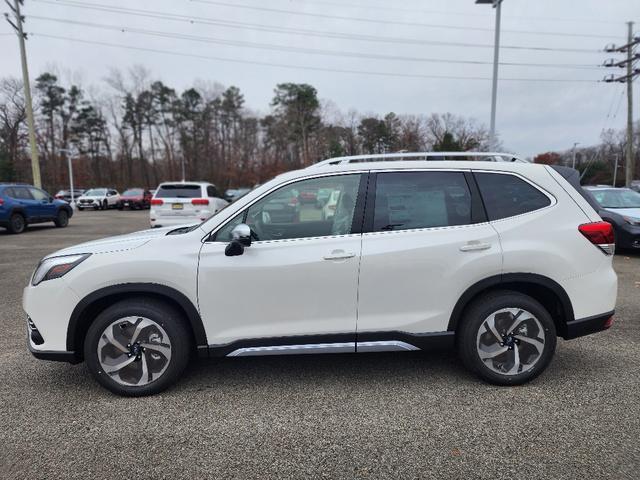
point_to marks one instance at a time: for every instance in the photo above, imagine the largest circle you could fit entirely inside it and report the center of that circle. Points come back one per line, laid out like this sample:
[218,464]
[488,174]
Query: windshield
[179,191]
[617,198]
[131,192]
[96,192]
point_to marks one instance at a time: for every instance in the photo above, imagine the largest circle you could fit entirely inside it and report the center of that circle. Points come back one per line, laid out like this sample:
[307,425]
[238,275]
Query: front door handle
[475,247]
[339,255]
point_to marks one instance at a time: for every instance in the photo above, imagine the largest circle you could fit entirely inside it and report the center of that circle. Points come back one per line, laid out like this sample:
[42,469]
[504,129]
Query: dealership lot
[352,416]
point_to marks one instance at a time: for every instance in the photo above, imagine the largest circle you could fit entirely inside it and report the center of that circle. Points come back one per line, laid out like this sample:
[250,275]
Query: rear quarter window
[506,195]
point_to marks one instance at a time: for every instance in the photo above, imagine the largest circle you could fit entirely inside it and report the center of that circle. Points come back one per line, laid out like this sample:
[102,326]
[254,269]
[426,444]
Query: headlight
[632,220]
[56,267]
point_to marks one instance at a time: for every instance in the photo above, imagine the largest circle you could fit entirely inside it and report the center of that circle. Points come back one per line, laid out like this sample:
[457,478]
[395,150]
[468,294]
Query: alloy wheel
[510,341]
[134,351]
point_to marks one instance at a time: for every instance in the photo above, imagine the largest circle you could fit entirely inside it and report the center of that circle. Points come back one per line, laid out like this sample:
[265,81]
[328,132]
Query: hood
[115,244]
[131,197]
[627,212]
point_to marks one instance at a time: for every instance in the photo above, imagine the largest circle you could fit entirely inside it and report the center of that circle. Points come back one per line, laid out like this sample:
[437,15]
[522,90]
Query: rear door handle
[475,247]
[339,255]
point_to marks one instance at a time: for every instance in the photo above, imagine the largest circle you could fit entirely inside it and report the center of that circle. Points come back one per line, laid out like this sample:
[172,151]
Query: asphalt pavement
[395,415]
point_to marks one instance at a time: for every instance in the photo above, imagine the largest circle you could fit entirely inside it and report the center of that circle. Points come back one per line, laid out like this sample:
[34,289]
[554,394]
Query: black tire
[158,311]
[473,320]
[17,223]
[62,219]
[81,208]
[105,205]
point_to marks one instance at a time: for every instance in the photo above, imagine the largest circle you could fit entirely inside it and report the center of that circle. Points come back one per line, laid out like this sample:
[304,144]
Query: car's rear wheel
[62,219]
[17,223]
[137,347]
[507,338]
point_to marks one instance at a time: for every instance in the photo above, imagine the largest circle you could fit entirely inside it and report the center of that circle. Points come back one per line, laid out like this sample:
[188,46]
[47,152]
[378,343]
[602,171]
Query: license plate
[177,206]
[126,204]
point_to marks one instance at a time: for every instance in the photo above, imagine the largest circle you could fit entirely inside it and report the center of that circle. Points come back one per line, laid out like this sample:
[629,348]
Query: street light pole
[573,163]
[496,57]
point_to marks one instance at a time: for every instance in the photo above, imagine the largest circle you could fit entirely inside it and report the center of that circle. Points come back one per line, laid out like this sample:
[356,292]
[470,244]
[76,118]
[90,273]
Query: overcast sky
[533,116]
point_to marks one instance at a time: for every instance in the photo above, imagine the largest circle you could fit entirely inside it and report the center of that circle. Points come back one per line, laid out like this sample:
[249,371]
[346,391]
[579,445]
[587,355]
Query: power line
[285,48]
[465,14]
[306,67]
[298,31]
[390,22]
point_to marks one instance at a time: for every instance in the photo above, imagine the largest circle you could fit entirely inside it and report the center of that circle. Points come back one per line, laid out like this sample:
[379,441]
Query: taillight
[156,201]
[1,202]
[600,234]
[200,201]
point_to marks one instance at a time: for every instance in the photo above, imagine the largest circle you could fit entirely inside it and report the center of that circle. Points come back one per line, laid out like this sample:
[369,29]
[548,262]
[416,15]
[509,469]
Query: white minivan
[180,203]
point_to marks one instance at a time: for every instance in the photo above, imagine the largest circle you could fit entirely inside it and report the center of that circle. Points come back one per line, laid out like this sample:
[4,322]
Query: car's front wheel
[137,347]
[506,338]
[62,219]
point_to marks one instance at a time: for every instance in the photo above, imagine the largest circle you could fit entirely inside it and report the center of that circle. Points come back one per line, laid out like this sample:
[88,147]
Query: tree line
[136,131]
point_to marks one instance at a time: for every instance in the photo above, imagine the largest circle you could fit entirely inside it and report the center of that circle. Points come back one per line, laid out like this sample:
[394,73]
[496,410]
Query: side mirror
[242,234]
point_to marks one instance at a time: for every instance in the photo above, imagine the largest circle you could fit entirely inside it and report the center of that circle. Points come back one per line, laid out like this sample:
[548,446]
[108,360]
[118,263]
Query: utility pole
[496,57]
[628,79]
[631,161]
[573,163]
[17,26]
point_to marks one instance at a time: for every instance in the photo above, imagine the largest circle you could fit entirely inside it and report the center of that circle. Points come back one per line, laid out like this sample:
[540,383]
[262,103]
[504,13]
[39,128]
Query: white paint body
[405,280]
[111,197]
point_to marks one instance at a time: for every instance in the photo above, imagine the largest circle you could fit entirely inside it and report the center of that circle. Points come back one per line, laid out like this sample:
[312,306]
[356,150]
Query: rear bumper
[173,221]
[628,236]
[586,326]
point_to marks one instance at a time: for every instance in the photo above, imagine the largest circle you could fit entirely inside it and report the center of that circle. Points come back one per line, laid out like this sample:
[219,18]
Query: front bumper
[69,357]
[589,325]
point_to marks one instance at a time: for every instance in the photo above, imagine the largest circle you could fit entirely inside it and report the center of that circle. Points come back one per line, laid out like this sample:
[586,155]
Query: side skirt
[339,343]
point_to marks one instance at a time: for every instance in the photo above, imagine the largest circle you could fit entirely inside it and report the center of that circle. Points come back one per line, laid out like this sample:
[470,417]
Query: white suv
[99,199]
[179,203]
[496,259]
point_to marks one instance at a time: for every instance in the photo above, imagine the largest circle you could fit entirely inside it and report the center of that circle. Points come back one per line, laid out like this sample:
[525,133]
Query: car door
[113,198]
[297,282]
[425,241]
[25,200]
[44,205]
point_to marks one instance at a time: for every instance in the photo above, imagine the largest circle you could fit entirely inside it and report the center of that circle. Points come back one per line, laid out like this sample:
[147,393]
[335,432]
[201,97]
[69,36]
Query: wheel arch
[543,289]
[90,306]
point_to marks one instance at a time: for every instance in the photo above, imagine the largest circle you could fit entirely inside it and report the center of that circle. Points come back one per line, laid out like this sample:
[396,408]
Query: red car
[308,196]
[135,198]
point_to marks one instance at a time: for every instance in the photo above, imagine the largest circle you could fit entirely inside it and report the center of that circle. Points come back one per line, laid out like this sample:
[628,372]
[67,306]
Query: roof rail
[386,157]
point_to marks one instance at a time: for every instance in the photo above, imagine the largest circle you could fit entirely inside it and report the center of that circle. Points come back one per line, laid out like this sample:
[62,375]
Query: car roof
[515,167]
[185,183]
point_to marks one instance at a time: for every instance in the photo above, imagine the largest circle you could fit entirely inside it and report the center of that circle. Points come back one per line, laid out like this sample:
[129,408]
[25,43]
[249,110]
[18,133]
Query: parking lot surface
[337,416]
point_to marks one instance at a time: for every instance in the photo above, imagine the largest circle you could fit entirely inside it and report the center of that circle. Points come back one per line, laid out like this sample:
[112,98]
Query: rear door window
[412,200]
[21,193]
[506,195]
[179,191]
